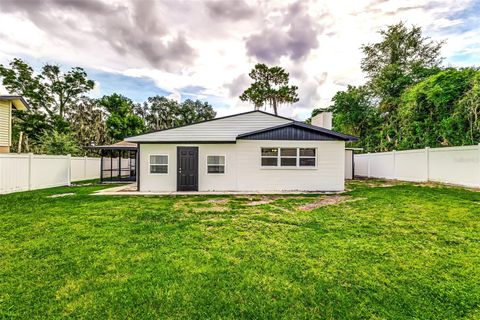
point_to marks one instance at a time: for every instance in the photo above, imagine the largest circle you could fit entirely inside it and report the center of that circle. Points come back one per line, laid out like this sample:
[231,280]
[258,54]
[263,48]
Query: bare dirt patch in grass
[218,201]
[211,205]
[267,200]
[259,202]
[60,195]
[327,201]
[209,209]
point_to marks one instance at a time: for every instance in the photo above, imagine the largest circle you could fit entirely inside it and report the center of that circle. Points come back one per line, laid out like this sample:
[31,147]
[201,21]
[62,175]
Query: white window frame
[269,157]
[298,157]
[150,164]
[224,164]
[280,157]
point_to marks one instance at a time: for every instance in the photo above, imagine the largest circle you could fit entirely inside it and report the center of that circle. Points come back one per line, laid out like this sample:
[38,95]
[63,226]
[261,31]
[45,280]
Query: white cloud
[204,44]
[175,96]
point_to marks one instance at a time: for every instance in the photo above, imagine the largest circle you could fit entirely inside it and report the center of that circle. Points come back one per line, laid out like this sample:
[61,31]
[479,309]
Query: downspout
[137,165]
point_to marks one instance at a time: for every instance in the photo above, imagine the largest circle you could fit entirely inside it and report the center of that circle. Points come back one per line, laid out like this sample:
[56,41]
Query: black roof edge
[110,148]
[328,132]
[224,117]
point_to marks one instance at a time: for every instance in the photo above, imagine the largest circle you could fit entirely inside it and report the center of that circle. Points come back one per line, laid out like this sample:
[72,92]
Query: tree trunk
[274,105]
[20,138]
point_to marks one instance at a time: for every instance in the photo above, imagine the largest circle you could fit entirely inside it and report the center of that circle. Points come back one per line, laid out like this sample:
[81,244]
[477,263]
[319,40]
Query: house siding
[243,171]
[5,123]
[288,133]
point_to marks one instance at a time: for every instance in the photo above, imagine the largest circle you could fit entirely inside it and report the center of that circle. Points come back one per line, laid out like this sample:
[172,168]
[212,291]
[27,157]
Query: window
[289,157]
[158,164]
[215,164]
[308,157]
[269,157]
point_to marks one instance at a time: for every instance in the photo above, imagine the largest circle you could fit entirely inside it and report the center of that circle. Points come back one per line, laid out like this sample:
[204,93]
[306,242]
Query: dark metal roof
[296,131]
[122,145]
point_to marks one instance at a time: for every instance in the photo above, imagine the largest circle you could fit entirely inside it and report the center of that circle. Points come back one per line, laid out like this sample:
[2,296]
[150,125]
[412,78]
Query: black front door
[187,168]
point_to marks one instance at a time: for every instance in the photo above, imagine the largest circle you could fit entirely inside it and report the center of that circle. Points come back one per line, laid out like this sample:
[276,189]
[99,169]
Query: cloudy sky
[205,49]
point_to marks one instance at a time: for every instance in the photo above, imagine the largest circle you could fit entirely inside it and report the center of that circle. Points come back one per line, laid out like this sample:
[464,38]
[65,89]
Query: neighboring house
[7,103]
[252,151]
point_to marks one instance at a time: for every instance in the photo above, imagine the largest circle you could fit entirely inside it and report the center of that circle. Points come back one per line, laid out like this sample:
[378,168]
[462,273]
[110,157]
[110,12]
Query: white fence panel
[361,165]
[14,174]
[85,168]
[21,172]
[382,165]
[92,170]
[49,171]
[78,169]
[454,165]
[411,165]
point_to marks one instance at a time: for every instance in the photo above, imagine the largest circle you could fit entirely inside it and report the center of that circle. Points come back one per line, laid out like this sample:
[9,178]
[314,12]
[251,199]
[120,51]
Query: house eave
[18,102]
[186,142]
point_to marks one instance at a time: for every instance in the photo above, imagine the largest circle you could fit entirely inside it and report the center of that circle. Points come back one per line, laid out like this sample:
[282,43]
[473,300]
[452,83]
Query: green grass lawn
[378,252]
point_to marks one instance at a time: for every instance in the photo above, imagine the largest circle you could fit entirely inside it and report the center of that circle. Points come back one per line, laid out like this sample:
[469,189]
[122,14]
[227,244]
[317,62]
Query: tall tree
[194,111]
[402,58]
[53,143]
[162,113]
[121,121]
[32,126]
[355,114]
[442,110]
[51,90]
[87,121]
[270,87]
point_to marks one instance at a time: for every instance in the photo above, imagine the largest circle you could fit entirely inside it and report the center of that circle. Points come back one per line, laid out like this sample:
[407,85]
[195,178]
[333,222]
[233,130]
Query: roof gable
[225,129]
[296,131]
[18,102]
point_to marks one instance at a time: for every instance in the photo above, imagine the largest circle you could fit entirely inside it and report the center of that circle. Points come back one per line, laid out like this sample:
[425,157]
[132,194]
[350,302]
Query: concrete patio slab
[131,190]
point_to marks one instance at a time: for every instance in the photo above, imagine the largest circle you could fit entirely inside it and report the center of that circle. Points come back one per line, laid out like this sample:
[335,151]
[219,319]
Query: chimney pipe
[323,119]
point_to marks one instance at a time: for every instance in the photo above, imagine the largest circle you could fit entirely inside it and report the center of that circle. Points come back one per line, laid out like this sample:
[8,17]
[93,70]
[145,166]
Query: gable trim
[321,131]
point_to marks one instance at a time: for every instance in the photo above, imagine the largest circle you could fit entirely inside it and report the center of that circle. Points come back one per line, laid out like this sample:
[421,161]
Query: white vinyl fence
[21,172]
[454,165]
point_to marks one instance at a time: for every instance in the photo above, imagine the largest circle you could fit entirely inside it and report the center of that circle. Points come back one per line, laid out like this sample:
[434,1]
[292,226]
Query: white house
[252,151]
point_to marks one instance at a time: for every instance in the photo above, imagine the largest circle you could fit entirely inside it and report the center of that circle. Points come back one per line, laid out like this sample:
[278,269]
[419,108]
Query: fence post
[427,163]
[69,171]
[478,181]
[368,164]
[85,162]
[30,158]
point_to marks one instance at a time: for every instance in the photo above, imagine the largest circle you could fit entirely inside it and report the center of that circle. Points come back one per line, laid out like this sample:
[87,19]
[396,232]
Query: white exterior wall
[243,171]
[21,172]
[454,165]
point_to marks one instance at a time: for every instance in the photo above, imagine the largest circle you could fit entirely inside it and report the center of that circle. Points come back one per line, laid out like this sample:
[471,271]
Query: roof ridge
[210,120]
